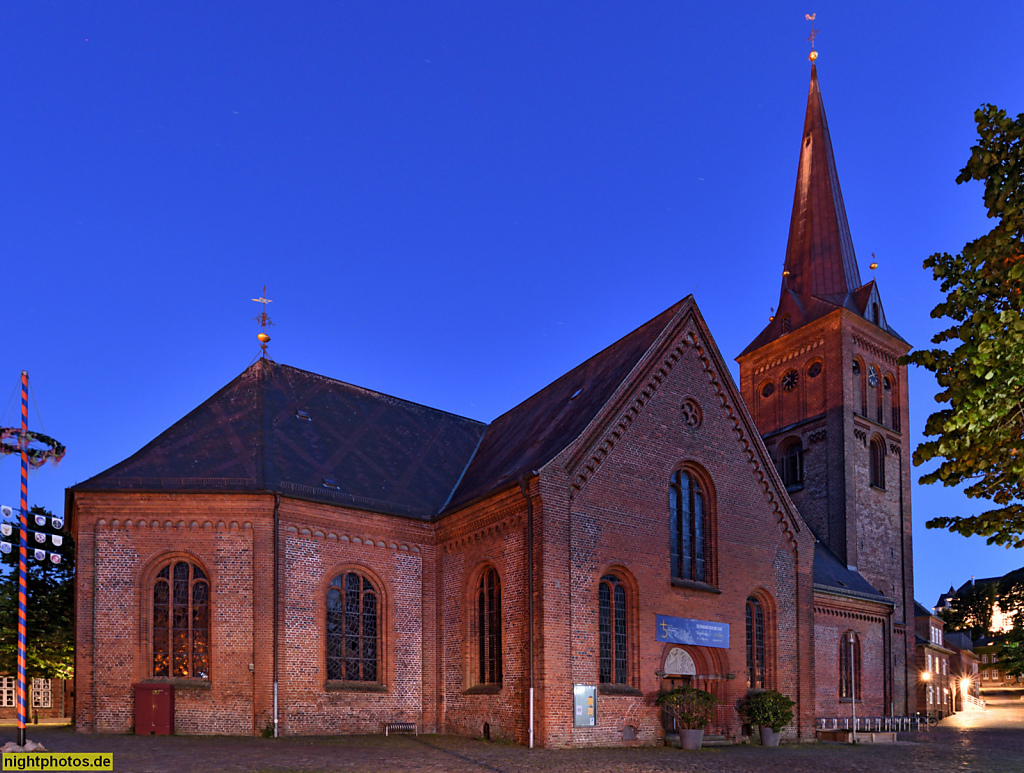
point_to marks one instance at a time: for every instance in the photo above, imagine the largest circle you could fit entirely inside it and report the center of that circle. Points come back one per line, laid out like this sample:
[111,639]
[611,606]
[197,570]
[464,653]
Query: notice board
[584,705]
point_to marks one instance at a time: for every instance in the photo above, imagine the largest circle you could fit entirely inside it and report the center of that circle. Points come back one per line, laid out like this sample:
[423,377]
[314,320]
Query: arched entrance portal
[703,667]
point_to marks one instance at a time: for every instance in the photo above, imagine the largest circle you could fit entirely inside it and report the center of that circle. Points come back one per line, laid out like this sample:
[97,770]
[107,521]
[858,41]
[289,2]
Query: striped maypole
[23,561]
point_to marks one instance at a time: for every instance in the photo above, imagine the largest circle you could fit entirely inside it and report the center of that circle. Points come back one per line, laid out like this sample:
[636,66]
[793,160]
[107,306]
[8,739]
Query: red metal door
[154,709]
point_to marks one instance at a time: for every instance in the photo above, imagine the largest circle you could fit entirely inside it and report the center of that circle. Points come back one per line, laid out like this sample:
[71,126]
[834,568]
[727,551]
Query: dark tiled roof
[920,610]
[376,452]
[536,430]
[830,573]
[380,453]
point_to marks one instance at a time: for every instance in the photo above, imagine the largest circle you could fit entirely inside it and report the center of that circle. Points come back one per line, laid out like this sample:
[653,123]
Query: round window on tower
[815,370]
[768,389]
[790,380]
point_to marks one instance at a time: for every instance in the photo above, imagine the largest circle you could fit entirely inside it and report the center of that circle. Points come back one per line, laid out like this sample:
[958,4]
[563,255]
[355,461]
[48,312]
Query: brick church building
[313,557]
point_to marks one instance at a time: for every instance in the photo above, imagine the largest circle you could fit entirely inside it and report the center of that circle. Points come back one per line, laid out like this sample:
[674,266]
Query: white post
[853,686]
[531,717]
[275,708]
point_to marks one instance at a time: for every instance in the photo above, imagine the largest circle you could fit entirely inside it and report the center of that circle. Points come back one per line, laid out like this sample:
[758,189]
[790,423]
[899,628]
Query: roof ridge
[378,393]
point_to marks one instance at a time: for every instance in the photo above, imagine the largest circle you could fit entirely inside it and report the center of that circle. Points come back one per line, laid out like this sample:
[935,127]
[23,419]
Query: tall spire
[819,256]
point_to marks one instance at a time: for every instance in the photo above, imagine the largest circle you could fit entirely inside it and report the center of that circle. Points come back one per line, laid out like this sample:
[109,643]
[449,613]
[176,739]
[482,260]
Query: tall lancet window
[689,527]
[488,627]
[611,618]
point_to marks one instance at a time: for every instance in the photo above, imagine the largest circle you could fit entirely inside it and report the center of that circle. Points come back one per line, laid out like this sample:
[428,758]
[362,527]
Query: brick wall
[866,527]
[834,616]
[620,524]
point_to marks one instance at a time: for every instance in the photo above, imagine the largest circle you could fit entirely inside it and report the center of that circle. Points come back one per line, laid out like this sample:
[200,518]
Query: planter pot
[769,737]
[691,740]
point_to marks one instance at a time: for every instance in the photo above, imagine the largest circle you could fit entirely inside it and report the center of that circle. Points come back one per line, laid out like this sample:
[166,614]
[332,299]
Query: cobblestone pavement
[989,742]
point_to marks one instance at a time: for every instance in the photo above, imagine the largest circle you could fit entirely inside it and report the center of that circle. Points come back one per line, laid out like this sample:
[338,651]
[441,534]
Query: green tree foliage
[971,610]
[50,641]
[1011,652]
[979,359]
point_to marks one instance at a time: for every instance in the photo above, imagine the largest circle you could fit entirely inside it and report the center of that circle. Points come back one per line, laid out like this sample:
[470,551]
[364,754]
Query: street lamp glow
[926,675]
[965,685]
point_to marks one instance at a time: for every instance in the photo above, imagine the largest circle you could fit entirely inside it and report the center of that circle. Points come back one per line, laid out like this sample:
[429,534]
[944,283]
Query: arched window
[787,324]
[611,621]
[849,666]
[793,466]
[859,392]
[877,463]
[755,644]
[353,629]
[488,627]
[181,622]
[689,549]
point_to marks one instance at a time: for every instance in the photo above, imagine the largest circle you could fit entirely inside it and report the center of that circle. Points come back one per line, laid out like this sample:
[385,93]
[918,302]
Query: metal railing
[872,724]
[976,702]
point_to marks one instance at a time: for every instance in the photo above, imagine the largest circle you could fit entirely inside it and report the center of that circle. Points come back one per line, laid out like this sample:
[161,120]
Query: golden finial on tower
[264,322]
[873,265]
[814,33]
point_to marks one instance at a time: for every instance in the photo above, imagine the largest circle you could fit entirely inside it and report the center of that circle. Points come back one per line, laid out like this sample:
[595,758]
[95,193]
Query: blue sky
[455,203]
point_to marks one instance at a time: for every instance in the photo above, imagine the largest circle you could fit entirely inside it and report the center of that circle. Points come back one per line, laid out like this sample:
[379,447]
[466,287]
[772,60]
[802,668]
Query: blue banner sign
[683,630]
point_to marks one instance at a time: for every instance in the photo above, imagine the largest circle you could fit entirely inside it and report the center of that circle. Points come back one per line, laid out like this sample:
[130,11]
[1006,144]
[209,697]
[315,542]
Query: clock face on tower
[872,377]
[789,381]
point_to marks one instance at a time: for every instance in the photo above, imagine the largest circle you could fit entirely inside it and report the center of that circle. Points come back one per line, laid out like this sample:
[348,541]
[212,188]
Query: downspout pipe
[277,529]
[524,487]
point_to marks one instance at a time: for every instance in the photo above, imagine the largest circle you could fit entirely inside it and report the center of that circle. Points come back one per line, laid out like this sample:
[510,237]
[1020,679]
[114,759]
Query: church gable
[685,352]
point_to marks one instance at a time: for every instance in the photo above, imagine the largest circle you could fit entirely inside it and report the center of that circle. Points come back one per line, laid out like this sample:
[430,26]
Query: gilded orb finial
[263,321]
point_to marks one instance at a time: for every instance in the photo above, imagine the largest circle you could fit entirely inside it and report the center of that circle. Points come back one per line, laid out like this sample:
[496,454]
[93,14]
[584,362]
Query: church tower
[829,397]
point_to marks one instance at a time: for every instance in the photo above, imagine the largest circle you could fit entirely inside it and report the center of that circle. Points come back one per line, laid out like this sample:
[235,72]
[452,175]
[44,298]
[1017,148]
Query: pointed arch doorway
[702,667]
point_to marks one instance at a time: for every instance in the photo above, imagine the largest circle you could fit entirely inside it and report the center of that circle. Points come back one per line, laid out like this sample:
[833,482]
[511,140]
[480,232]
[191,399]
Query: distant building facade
[936,682]
[47,698]
[992,674]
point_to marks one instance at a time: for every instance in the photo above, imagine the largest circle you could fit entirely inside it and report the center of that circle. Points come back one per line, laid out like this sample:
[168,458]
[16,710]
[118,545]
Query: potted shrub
[771,711]
[692,709]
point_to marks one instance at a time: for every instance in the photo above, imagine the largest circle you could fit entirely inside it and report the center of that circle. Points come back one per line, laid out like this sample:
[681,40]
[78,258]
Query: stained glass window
[352,629]
[755,644]
[689,543]
[181,622]
[488,627]
[611,615]
[849,665]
